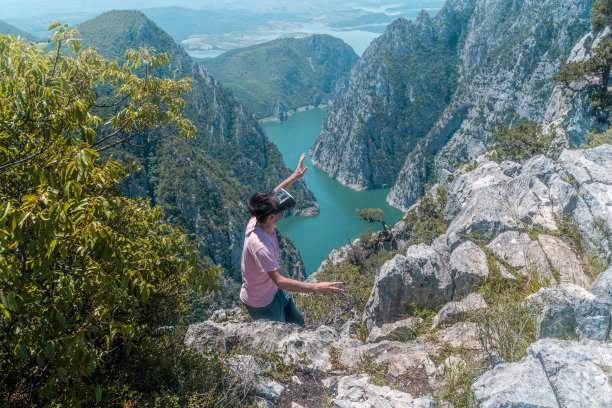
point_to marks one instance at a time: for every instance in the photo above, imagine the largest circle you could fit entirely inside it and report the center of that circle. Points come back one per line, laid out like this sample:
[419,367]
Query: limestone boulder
[400,357]
[602,286]
[520,251]
[356,391]
[453,312]
[555,373]
[523,385]
[419,278]
[570,312]
[563,260]
[291,340]
[402,330]
[591,171]
[468,265]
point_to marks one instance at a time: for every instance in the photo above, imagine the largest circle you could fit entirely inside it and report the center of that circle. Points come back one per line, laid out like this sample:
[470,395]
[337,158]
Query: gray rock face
[570,312]
[602,286]
[518,250]
[522,385]
[569,107]
[563,260]
[469,268]
[452,312]
[292,340]
[421,277]
[590,170]
[355,391]
[507,69]
[400,357]
[401,330]
[560,374]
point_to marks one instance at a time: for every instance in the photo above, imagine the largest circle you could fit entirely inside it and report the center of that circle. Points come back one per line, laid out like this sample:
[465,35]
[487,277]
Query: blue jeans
[280,309]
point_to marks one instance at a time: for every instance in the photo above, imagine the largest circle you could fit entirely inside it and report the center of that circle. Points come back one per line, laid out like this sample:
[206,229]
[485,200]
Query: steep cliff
[474,62]
[508,57]
[396,92]
[202,183]
[277,76]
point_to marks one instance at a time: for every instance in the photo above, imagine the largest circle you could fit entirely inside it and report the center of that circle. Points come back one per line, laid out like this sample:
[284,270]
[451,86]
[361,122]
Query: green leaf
[20,351]
[53,25]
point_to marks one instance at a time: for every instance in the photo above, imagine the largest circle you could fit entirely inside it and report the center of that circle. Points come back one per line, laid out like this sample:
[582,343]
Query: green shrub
[595,139]
[88,277]
[426,222]
[519,142]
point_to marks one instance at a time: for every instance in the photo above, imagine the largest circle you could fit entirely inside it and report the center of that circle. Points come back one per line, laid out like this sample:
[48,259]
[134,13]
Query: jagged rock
[289,339]
[261,402]
[369,130]
[563,260]
[463,186]
[569,107]
[401,330]
[555,373]
[468,264]
[401,357]
[591,171]
[421,277]
[246,367]
[355,391]
[523,385]
[268,389]
[602,286]
[580,373]
[349,328]
[454,311]
[519,251]
[570,312]
[460,335]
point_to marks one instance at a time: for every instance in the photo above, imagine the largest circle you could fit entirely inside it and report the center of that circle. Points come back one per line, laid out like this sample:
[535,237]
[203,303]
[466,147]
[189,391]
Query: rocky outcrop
[453,312]
[556,374]
[514,212]
[356,391]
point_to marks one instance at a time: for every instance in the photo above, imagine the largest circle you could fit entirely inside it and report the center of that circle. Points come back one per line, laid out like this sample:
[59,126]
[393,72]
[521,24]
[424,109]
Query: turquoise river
[338,223]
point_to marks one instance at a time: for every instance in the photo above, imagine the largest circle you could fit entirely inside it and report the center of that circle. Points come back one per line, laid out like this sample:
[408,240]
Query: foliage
[425,221]
[519,142]
[376,215]
[595,139]
[87,276]
[357,286]
[598,64]
[601,15]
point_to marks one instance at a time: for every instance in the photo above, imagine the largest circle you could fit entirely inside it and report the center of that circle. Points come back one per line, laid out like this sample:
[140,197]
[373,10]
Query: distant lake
[337,224]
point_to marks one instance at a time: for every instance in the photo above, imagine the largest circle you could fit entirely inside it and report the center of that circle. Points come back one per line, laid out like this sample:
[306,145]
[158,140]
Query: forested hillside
[6,29]
[277,76]
[203,183]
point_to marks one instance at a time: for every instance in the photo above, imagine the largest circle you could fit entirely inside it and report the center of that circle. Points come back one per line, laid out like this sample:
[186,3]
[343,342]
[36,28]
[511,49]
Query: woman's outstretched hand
[329,288]
[299,172]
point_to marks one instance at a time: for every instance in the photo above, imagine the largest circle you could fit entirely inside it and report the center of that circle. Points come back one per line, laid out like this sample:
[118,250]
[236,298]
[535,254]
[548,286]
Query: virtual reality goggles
[285,201]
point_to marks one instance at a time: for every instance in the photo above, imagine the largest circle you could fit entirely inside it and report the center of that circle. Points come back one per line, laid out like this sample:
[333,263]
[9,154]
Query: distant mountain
[277,76]
[6,29]
[204,183]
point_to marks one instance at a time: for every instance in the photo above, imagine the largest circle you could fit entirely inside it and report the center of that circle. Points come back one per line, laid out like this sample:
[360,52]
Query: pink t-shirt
[260,255]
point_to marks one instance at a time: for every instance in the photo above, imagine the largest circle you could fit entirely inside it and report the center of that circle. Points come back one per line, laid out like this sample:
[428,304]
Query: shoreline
[294,110]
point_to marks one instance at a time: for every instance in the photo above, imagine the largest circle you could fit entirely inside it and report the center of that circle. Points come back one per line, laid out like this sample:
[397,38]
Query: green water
[337,224]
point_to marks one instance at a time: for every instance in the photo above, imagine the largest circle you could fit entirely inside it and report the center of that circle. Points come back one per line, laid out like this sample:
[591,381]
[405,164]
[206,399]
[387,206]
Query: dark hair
[261,205]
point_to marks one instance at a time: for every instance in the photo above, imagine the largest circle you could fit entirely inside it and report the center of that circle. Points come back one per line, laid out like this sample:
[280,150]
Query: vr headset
[285,201]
